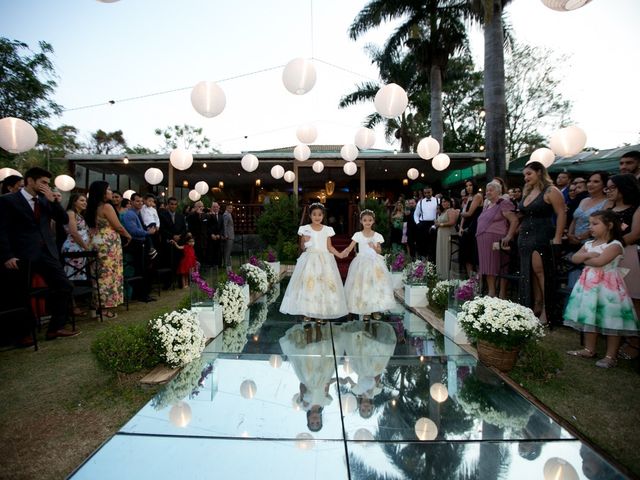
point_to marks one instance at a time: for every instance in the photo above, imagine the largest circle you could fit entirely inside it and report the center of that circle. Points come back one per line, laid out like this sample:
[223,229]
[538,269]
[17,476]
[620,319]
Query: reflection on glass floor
[276,398]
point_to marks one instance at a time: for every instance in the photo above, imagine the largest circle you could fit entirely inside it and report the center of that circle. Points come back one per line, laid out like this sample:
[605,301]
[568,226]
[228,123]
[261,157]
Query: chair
[454,241]
[90,270]
[162,274]
[131,275]
[16,297]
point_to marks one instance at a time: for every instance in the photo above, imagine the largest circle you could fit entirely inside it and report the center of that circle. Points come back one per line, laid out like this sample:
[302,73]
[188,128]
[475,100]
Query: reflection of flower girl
[315,289]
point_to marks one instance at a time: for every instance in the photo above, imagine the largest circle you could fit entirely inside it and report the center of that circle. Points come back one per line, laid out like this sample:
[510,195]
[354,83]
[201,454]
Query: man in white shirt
[424,216]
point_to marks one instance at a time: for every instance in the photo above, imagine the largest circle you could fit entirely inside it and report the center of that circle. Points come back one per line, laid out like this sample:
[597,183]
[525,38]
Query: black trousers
[60,288]
[425,243]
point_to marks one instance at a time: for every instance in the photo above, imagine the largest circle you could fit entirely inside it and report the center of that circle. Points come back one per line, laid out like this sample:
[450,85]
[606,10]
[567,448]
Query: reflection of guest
[215,228]
[228,235]
[595,468]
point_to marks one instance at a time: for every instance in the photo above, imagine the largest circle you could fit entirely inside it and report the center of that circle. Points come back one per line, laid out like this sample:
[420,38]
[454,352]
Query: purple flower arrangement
[201,283]
[271,256]
[235,278]
[397,262]
[467,290]
[253,260]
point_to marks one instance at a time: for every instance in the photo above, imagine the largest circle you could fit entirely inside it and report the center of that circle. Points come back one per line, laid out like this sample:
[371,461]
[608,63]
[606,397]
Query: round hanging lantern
[201,187]
[439,392]
[302,152]
[307,134]
[275,361]
[127,194]
[441,161]
[391,100]
[6,171]
[365,138]
[208,99]
[248,389]
[153,176]
[194,196]
[565,5]
[349,152]
[413,173]
[249,162]
[277,172]
[180,415]
[108,1]
[305,441]
[568,141]
[428,148]
[299,76]
[64,183]
[289,176]
[181,159]
[318,166]
[426,429]
[363,435]
[559,469]
[17,136]
[350,168]
[349,403]
[543,155]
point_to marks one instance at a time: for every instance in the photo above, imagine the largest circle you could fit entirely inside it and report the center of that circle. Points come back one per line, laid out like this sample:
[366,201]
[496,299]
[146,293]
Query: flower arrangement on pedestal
[269,255]
[201,292]
[233,303]
[187,384]
[177,337]
[272,276]
[439,294]
[466,290]
[234,339]
[256,277]
[396,262]
[420,272]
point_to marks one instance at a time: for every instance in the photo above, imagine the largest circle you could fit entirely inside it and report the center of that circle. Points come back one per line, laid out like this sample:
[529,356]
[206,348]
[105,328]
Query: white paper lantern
[426,429]
[565,5]
[559,469]
[249,162]
[17,136]
[568,141]
[153,176]
[363,435]
[349,152]
[194,196]
[349,403]
[441,161]
[543,155]
[289,176]
[391,100]
[305,441]
[201,187]
[307,134]
[181,159]
[317,166]
[302,152]
[350,168]
[299,76]
[180,415]
[439,392]
[108,1]
[413,173]
[248,389]
[428,148]
[6,171]
[277,172]
[127,194]
[365,138]
[208,99]
[275,361]
[64,183]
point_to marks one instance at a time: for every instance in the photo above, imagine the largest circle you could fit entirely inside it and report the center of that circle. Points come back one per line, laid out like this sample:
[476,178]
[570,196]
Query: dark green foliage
[537,362]
[278,225]
[382,217]
[121,349]
[185,303]
[289,251]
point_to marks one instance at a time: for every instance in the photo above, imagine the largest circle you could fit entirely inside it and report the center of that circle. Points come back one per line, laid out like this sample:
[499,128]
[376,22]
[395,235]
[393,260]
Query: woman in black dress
[468,251]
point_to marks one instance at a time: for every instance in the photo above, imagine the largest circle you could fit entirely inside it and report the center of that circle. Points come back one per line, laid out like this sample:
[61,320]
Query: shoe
[109,314]
[627,351]
[153,253]
[606,362]
[584,353]
[62,333]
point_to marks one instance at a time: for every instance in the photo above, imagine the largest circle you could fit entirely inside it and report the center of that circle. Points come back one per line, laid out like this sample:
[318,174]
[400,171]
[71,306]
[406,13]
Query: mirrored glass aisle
[278,398]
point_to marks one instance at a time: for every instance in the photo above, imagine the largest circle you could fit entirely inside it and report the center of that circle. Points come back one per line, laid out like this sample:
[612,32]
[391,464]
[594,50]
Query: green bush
[289,251]
[279,221]
[537,363]
[382,217]
[121,349]
[185,303]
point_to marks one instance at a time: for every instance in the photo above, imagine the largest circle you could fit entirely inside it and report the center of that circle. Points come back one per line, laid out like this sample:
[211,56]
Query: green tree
[139,149]
[105,143]
[278,223]
[184,136]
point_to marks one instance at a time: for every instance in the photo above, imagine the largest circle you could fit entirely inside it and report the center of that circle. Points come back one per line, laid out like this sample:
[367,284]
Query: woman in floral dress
[77,237]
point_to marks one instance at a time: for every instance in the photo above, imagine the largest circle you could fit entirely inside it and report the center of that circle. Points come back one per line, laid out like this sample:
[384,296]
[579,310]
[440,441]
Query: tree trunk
[494,96]
[436,104]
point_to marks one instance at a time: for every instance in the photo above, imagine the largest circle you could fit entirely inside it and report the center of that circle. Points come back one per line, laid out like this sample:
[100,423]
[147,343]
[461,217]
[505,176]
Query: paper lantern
[440,161]
[318,166]
[568,141]
[248,389]
[365,138]
[201,187]
[307,134]
[363,435]
[194,196]
[64,183]
[153,176]
[349,152]
[17,136]
[428,148]
[299,76]
[181,159]
[108,1]
[426,429]
[6,171]
[565,5]
[413,173]
[350,168]
[180,415]
[559,469]
[349,403]
[277,172]
[249,162]
[543,155]
[208,99]
[439,392]
[127,194]
[302,152]
[391,100]
[275,361]
[305,441]
[289,176]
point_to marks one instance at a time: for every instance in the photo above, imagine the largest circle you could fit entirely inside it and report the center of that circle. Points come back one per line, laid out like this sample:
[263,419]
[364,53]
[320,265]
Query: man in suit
[26,237]
[215,227]
[228,235]
[425,216]
[172,227]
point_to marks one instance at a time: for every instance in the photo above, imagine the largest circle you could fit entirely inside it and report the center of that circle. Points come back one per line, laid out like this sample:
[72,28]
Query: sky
[136,48]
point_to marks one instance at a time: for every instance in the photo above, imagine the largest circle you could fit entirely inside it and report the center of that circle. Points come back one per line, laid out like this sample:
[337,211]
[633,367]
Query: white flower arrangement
[186,384]
[439,294]
[272,276]
[234,339]
[256,277]
[500,322]
[233,305]
[177,337]
[504,419]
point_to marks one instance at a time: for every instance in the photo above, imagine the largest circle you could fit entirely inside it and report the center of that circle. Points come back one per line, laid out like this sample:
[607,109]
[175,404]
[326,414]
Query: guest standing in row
[445,223]
[228,235]
[77,237]
[468,249]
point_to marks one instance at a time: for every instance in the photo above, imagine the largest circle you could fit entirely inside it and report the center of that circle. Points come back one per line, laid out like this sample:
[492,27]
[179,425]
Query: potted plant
[418,277]
[256,277]
[177,338]
[396,262]
[242,283]
[500,328]
[461,292]
[271,258]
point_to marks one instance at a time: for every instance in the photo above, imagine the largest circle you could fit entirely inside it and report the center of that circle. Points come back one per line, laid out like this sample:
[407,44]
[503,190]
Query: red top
[188,260]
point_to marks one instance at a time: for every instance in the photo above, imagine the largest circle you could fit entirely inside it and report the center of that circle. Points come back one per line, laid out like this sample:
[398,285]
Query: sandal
[606,362]
[624,354]
[78,312]
[584,353]
[109,314]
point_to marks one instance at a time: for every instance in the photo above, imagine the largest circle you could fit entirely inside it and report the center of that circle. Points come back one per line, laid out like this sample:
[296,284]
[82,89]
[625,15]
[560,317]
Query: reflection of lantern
[248,389]
[428,148]
[568,141]
[299,76]
[350,168]
[413,173]
[180,159]
[405,182]
[391,100]
[307,134]
[363,435]
[180,415]
[365,138]
[317,166]
[277,172]
[302,152]
[16,135]
[565,5]
[208,99]
[349,152]
[559,469]
[348,402]
[346,366]
[6,171]
[127,194]
[440,161]
[295,402]
[426,429]
[249,162]
[64,183]
[439,392]
[194,196]
[543,155]
[201,187]
[305,441]
[330,187]
[153,176]
[275,361]
[289,176]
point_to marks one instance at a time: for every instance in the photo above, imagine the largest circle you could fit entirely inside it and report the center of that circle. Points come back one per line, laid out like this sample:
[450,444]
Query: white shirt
[426,210]
[29,198]
[149,215]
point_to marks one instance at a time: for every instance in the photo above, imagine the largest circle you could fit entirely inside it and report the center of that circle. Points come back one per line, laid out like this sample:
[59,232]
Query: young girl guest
[369,287]
[315,289]
[188,260]
[599,302]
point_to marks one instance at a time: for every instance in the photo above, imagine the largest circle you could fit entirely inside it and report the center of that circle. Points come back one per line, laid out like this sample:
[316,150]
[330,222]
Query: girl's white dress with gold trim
[315,289]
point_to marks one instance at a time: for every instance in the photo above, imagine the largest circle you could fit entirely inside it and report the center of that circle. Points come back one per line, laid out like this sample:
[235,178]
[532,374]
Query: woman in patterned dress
[77,237]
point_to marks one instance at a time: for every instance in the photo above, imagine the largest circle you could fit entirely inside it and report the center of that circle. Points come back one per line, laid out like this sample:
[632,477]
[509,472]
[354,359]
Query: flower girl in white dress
[315,289]
[369,285]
